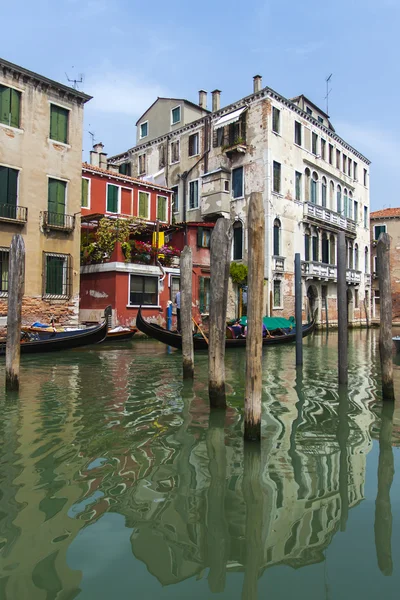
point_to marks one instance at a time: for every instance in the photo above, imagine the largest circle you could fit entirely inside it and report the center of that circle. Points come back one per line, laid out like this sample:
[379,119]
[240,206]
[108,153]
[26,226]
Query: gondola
[32,343]
[174,340]
[47,332]
[125,333]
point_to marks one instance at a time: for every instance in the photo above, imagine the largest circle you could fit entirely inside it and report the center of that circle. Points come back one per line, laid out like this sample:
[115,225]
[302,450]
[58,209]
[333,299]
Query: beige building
[313,182]
[40,189]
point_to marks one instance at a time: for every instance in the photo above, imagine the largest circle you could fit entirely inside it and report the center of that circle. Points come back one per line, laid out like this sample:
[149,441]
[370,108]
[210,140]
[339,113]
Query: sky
[130,52]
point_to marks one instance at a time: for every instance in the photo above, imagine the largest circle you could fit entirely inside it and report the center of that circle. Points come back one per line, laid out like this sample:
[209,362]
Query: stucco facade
[46,205]
[314,184]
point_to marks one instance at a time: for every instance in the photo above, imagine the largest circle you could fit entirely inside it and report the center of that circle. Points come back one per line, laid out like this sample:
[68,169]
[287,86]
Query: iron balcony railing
[63,222]
[11,212]
[325,215]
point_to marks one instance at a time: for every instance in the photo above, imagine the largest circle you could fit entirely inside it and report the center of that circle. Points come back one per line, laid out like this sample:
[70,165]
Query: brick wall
[37,309]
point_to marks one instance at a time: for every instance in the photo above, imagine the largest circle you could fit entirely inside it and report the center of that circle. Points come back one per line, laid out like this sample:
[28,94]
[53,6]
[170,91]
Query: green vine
[100,245]
[238,272]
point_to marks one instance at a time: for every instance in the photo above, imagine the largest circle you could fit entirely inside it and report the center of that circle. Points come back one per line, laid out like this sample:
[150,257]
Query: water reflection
[114,437]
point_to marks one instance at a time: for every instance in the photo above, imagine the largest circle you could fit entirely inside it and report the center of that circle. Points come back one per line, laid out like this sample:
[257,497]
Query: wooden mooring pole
[385,330]
[16,278]
[298,310]
[186,313]
[255,303]
[342,308]
[220,259]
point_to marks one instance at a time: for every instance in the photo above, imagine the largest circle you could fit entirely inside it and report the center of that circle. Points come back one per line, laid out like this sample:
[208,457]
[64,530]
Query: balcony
[59,222]
[239,147]
[324,216]
[216,203]
[10,213]
[318,270]
[278,263]
[367,277]
[353,276]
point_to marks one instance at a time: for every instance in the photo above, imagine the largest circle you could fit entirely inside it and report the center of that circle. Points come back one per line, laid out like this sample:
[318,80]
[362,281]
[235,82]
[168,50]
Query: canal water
[116,483]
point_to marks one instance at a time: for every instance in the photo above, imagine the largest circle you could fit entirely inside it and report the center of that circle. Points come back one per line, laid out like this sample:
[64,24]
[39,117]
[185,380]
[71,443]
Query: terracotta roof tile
[88,167]
[385,213]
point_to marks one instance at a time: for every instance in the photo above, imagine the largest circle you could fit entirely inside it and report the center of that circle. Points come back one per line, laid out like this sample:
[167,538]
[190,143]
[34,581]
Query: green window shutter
[5,104]
[52,196]
[85,193]
[143,208]
[61,187]
[58,124]
[15,108]
[200,237]
[201,295]
[3,185]
[112,198]
[161,208]
[54,275]
[12,187]
[53,122]
[56,202]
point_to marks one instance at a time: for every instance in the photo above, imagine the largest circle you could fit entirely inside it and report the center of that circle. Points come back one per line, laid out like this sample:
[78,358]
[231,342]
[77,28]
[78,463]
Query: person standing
[178,311]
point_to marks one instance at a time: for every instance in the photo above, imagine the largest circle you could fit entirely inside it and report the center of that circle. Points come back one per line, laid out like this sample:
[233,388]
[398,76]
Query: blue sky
[130,52]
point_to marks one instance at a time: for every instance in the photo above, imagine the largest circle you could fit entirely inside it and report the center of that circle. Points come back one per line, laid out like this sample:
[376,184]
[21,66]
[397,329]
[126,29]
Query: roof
[294,100]
[87,167]
[197,106]
[49,82]
[385,213]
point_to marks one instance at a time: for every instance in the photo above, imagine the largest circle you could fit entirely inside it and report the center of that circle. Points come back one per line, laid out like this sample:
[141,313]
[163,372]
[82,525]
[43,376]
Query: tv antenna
[92,135]
[75,81]
[328,91]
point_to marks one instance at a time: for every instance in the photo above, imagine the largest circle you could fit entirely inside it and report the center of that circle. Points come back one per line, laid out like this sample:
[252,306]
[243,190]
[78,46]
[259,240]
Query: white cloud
[376,143]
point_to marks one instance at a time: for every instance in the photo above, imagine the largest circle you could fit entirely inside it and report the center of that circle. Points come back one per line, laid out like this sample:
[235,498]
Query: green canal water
[116,483]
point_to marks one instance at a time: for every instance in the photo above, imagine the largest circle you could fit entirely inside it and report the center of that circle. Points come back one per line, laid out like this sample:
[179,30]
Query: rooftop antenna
[75,81]
[92,135]
[328,91]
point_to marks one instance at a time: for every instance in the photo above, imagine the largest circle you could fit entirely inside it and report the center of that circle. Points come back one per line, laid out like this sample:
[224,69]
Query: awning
[230,118]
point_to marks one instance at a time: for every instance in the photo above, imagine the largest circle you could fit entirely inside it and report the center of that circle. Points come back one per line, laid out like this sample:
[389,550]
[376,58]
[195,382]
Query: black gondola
[71,339]
[174,340]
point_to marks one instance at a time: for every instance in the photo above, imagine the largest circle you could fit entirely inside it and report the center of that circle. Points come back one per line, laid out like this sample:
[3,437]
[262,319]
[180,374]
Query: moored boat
[174,339]
[120,334]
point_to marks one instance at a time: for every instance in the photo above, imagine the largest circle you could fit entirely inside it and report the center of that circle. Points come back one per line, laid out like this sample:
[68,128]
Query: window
[355,170]
[307,246]
[144,129]
[204,294]
[162,208]
[56,202]
[4,257]
[378,229]
[323,190]
[57,275]
[237,183]
[194,144]
[332,195]
[277,236]
[308,110]
[365,177]
[203,237]
[10,106]
[175,151]
[175,115]
[8,192]
[143,290]
[277,293]
[356,211]
[325,249]
[144,205]
[350,206]
[315,253]
[314,143]
[323,149]
[175,286]
[226,185]
[194,194]
[314,189]
[344,163]
[125,169]
[349,161]
[59,124]
[276,120]
[85,192]
[276,185]
[356,260]
[237,241]
[338,159]
[366,260]
[142,164]
[350,256]
[320,119]
[161,156]
[330,154]
[113,192]
[175,199]
[307,174]
[297,176]
[345,202]
[297,133]
[339,199]
[366,217]
[356,298]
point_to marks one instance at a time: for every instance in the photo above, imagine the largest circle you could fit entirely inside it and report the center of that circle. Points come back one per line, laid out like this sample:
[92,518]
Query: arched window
[366,263]
[332,195]
[350,255]
[315,252]
[332,251]
[350,211]
[277,237]
[345,203]
[323,197]
[356,265]
[325,249]
[339,199]
[307,245]
[314,189]
[237,240]
[307,175]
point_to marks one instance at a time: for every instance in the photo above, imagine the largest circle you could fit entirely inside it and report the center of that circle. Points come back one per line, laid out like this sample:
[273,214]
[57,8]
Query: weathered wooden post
[383,508]
[298,309]
[255,303]
[342,308]
[16,278]
[220,259]
[385,330]
[186,313]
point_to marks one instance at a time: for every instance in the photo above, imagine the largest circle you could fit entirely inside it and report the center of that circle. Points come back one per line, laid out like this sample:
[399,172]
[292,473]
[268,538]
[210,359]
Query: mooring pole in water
[16,278]
[342,308]
[255,303]
[385,330]
[342,436]
[298,309]
[186,313]
[220,259]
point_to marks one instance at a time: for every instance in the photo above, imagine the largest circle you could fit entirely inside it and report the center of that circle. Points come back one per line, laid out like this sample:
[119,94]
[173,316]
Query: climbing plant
[238,272]
[100,245]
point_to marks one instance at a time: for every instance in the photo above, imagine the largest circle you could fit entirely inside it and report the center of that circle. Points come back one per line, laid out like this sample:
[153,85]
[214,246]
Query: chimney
[257,83]
[203,99]
[95,154]
[216,100]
